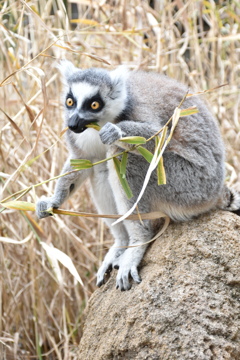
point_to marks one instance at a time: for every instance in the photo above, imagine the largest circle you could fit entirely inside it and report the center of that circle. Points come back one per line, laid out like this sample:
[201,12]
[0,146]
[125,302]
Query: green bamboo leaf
[161,173]
[123,181]
[19,205]
[81,164]
[31,161]
[145,153]
[157,146]
[190,111]
[123,165]
[135,140]
[163,137]
[175,119]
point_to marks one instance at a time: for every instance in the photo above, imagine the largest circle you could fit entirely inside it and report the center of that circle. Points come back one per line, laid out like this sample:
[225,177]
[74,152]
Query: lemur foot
[126,265]
[113,254]
[127,269]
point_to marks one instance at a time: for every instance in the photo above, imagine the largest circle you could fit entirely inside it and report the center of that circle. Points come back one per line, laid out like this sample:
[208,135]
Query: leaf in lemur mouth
[94,125]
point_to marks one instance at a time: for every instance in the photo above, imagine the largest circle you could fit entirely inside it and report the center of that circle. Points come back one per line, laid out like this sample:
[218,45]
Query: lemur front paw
[110,133]
[44,204]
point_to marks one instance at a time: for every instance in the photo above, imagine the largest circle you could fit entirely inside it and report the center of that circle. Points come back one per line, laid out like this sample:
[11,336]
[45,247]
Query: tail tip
[234,202]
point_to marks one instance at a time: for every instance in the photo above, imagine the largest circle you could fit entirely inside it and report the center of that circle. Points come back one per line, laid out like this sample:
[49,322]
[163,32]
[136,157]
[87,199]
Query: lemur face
[93,95]
[84,104]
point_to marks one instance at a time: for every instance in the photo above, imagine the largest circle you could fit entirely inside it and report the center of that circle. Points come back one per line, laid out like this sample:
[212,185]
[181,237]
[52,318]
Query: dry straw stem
[195,42]
[26,206]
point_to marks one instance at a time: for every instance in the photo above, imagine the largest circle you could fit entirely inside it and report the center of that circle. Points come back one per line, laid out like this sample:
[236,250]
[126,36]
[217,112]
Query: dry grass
[193,41]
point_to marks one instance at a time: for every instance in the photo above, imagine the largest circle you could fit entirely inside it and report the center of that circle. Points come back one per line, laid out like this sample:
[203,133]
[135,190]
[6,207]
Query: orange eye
[69,102]
[95,105]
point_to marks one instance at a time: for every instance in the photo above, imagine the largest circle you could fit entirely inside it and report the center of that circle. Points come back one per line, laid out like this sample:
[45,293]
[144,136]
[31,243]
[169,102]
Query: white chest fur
[89,145]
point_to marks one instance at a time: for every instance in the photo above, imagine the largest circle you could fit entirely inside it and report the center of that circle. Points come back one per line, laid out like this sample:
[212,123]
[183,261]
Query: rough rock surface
[187,306]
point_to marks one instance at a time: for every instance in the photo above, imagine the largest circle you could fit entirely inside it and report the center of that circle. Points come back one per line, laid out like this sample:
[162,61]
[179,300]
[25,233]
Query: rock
[187,306]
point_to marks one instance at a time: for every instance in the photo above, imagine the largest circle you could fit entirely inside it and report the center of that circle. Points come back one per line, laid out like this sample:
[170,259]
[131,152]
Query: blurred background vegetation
[196,42]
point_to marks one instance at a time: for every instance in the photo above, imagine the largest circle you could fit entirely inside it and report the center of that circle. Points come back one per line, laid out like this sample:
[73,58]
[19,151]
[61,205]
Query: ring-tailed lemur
[139,104]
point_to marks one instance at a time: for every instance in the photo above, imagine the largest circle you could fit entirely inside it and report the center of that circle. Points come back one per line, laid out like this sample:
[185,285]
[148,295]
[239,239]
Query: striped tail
[230,200]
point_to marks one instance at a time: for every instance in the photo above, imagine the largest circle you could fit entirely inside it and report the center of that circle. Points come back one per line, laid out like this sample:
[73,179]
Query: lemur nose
[75,123]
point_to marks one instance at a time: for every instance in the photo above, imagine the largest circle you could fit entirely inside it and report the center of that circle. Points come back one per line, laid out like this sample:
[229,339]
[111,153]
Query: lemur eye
[69,102]
[95,105]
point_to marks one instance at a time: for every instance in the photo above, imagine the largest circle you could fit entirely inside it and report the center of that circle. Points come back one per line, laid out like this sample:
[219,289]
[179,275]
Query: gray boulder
[187,306]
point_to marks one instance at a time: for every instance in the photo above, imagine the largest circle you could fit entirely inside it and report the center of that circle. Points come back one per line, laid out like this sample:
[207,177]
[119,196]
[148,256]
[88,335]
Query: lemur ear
[67,69]
[118,77]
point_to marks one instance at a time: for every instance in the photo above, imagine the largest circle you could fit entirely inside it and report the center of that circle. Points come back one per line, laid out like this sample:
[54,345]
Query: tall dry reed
[41,303]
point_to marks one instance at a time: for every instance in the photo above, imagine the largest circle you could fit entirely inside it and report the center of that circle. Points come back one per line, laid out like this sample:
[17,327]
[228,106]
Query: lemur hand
[44,204]
[110,133]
